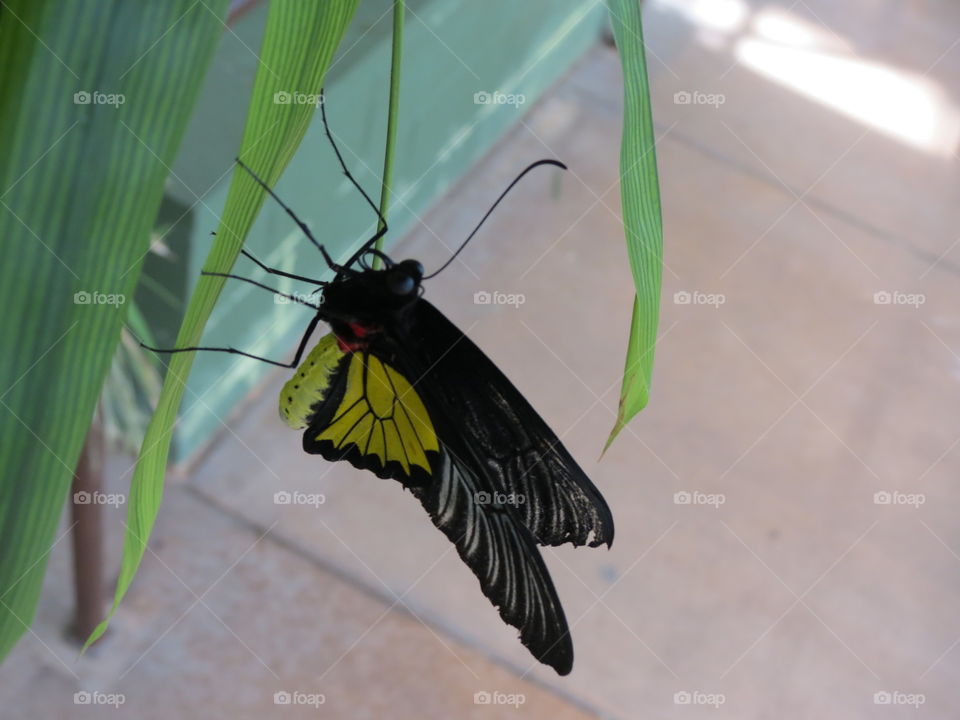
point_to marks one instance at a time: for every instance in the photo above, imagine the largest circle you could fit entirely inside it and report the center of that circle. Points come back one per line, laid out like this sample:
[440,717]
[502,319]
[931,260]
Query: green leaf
[298,44]
[393,115]
[640,201]
[94,100]
[132,385]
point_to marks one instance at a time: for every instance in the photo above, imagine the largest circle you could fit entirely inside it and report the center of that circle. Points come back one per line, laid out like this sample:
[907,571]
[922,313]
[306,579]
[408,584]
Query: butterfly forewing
[503,437]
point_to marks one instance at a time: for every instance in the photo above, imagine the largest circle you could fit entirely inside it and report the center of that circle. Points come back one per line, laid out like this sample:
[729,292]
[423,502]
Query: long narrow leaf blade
[298,45]
[640,200]
[94,101]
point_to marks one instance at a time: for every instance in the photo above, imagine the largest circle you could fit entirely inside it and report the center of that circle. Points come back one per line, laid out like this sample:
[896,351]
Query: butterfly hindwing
[495,544]
[367,413]
[503,437]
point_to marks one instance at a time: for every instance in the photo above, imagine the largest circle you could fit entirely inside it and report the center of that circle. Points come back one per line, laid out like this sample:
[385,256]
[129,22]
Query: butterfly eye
[413,267]
[400,283]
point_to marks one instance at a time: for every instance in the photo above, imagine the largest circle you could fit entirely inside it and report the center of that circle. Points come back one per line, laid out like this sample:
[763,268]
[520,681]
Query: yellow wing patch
[310,384]
[383,416]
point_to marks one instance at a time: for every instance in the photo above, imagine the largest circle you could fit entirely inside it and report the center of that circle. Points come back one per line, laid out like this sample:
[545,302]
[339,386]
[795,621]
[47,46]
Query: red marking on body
[359,332]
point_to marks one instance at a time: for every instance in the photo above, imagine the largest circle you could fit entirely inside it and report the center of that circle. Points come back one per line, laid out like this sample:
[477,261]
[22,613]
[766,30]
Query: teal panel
[453,50]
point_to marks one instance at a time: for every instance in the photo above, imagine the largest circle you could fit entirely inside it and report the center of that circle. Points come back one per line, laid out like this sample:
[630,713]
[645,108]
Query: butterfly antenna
[517,179]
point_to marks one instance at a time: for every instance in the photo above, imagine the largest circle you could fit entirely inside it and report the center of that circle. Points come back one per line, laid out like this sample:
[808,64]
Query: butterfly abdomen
[310,383]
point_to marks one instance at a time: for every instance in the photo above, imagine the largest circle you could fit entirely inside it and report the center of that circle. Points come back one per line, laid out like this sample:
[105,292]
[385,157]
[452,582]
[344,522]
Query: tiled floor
[827,175]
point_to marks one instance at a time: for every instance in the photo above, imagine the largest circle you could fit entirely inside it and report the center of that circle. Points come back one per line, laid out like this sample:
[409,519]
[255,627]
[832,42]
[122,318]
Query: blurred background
[786,541]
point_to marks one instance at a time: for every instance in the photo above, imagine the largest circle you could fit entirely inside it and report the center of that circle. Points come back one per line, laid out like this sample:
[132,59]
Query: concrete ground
[806,400]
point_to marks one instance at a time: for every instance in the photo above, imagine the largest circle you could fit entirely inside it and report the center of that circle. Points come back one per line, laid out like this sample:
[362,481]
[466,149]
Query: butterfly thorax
[361,308]
[364,311]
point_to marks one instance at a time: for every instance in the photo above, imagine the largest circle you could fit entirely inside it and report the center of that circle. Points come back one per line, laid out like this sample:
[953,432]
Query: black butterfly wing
[368,411]
[503,437]
[496,545]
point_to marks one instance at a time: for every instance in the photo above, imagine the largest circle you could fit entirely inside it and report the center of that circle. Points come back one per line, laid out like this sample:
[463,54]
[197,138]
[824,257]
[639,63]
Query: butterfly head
[361,307]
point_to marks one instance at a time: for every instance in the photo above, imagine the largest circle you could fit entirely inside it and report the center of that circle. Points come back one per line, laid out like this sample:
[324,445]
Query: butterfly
[397,389]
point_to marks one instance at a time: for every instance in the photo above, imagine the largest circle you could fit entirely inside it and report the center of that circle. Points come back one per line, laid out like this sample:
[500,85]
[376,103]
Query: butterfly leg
[233,351]
[382,255]
[281,273]
[303,226]
[292,298]
[382,224]
[343,164]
